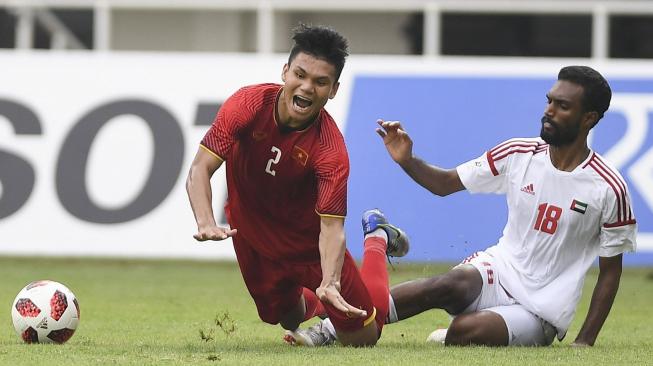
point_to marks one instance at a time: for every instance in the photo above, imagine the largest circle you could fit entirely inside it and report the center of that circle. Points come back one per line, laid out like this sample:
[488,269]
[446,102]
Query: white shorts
[524,327]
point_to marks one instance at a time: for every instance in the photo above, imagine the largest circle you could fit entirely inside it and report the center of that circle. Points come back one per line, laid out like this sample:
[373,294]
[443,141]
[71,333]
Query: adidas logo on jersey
[529,189]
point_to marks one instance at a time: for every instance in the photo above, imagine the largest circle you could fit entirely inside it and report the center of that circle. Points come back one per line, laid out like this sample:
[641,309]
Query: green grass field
[138,312]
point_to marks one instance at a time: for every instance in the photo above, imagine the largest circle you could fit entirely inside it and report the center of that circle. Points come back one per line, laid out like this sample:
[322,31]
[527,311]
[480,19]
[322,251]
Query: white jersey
[558,222]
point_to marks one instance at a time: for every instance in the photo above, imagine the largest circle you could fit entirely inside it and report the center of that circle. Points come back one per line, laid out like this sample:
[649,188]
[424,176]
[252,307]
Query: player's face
[561,123]
[309,82]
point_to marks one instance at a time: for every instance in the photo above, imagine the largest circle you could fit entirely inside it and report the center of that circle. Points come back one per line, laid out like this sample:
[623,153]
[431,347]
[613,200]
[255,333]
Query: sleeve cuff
[212,153]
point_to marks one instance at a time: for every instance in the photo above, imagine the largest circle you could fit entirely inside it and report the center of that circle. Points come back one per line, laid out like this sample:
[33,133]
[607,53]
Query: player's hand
[396,140]
[331,294]
[213,232]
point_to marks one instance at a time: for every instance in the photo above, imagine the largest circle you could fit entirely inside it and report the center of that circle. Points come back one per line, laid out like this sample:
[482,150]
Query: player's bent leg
[307,307]
[294,317]
[270,284]
[524,328]
[485,328]
[453,291]
[358,331]
[381,239]
[511,325]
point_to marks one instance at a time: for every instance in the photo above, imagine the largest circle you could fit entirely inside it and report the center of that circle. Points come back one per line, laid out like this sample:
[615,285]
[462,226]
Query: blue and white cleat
[398,242]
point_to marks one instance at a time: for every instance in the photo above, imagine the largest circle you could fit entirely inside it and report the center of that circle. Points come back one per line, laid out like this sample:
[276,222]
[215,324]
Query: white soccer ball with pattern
[45,312]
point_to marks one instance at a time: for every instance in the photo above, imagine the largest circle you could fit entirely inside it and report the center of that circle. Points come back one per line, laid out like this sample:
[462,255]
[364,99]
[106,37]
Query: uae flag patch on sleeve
[579,206]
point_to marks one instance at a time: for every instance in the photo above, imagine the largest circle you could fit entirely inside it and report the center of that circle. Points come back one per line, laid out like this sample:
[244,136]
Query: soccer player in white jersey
[566,206]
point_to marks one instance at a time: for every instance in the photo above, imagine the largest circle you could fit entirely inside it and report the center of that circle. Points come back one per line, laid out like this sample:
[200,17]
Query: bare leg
[452,291]
[481,328]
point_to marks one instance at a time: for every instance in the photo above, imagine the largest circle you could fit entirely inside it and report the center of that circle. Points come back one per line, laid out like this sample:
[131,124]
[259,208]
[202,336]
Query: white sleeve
[483,175]
[618,224]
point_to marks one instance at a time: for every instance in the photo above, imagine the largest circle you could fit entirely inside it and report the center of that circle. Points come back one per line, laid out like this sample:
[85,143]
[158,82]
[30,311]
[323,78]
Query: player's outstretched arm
[198,186]
[603,296]
[400,147]
[332,254]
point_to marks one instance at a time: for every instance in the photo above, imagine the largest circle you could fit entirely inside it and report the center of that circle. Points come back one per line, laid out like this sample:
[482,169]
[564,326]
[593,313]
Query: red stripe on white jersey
[541,148]
[510,142]
[510,147]
[490,162]
[589,161]
[510,152]
[621,206]
[622,223]
[617,191]
[627,211]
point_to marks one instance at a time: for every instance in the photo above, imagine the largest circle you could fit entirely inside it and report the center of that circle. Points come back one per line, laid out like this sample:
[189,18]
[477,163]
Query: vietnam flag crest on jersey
[299,155]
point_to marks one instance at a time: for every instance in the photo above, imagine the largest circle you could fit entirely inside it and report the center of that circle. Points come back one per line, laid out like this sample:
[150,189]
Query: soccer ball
[45,312]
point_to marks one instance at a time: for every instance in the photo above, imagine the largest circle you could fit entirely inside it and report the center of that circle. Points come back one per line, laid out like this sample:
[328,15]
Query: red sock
[375,276]
[314,306]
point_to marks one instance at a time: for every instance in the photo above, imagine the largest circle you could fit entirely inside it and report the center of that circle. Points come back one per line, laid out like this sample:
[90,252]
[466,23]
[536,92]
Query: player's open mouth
[301,104]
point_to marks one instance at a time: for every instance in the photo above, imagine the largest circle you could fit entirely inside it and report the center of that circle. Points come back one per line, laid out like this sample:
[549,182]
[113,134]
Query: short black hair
[321,42]
[596,90]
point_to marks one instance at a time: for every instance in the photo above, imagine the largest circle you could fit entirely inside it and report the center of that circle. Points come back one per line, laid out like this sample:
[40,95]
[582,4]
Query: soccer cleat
[314,336]
[398,242]
[437,336]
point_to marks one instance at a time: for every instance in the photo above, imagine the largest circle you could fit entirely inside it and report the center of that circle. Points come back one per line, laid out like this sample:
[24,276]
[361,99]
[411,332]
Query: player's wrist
[205,224]
[407,163]
[330,283]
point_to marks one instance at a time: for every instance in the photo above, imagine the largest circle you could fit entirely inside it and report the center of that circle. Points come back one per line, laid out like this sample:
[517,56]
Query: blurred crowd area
[524,28]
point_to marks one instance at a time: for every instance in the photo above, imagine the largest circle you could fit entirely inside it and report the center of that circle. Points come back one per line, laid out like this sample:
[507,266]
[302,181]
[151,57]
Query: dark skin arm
[400,147]
[603,296]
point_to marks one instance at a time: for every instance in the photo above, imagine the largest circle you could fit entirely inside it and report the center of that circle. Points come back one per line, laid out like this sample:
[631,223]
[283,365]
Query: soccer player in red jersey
[287,170]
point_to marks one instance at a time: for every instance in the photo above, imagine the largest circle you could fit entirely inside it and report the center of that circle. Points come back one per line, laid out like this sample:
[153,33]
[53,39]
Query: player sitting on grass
[287,171]
[566,206]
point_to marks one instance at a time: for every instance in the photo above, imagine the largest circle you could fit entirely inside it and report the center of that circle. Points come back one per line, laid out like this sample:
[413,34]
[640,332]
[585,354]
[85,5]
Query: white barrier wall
[109,138]
[65,91]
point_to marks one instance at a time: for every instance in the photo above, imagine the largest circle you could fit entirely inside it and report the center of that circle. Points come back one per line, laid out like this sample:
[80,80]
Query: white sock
[328,326]
[392,311]
[378,233]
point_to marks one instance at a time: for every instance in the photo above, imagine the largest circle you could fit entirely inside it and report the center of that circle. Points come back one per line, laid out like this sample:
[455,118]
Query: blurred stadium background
[103,103]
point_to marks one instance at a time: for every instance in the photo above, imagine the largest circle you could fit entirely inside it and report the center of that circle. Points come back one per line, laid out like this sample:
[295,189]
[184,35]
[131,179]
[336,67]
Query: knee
[292,318]
[269,319]
[461,332]
[287,324]
[480,328]
[289,321]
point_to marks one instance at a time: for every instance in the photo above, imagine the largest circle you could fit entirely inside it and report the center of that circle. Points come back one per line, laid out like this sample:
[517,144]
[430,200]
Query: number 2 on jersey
[547,218]
[274,160]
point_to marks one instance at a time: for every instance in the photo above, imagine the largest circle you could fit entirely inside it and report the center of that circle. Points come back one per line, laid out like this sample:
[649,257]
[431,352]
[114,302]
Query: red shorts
[276,286]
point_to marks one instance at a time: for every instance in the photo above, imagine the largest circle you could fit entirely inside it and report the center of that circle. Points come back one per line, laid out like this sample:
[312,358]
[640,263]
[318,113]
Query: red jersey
[279,182]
